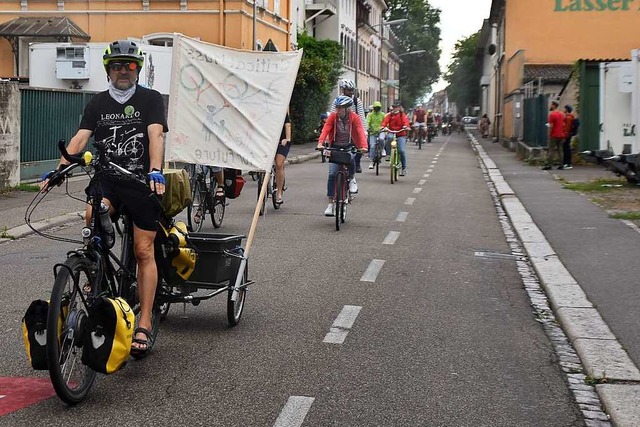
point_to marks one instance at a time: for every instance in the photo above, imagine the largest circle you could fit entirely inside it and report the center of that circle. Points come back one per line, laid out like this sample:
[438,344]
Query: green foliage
[463,74]
[421,32]
[320,68]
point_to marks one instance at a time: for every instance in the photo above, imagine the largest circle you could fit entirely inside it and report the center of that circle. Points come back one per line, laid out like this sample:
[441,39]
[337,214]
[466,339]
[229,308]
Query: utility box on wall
[72,62]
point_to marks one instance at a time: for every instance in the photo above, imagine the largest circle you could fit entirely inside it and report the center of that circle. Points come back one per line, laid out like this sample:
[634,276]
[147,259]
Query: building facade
[536,45]
[234,23]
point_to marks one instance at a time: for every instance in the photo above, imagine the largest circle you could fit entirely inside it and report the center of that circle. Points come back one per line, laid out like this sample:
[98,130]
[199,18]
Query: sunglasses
[127,66]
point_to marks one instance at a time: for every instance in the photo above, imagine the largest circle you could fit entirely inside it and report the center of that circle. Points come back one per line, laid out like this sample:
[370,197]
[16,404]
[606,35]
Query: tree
[320,68]
[463,74]
[420,32]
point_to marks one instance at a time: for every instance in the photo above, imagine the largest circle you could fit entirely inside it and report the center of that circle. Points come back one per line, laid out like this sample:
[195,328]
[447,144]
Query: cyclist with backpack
[348,88]
[342,129]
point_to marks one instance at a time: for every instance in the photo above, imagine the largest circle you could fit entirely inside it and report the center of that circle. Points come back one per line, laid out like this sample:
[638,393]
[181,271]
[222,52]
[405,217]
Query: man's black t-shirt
[123,127]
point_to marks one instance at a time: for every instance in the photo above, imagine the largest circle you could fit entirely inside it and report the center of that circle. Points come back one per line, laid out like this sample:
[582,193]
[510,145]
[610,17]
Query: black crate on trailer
[218,257]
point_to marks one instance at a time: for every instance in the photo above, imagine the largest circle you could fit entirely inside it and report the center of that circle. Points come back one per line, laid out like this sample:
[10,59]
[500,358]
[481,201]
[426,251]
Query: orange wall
[556,32]
[103,26]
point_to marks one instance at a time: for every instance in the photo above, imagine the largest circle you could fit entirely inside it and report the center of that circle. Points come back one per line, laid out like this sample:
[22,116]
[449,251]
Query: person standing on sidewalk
[556,136]
[571,124]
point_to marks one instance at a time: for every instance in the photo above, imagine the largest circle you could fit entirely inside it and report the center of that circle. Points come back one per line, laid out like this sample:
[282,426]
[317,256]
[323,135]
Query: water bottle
[108,234]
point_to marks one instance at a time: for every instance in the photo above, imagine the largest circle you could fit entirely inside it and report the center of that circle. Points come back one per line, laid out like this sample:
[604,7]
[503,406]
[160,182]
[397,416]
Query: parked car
[470,120]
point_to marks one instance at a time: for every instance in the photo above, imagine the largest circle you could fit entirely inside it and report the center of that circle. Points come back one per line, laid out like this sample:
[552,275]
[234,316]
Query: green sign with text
[593,5]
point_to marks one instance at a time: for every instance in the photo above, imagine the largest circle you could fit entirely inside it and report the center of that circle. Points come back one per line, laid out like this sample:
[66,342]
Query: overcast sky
[459,19]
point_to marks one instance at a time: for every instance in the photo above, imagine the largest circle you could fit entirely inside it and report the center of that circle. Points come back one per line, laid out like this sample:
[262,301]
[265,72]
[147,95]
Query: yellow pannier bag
[177,193]
[107,335]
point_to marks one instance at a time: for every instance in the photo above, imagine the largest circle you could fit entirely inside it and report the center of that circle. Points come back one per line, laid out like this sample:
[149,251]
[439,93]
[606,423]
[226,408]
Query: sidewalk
[586,262]
[58,208]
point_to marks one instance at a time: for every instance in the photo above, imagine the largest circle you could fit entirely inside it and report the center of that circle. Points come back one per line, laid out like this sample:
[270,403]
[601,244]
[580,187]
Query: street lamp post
[382,25]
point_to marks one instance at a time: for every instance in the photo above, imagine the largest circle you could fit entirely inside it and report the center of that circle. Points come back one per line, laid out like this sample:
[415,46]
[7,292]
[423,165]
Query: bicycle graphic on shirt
[131,148]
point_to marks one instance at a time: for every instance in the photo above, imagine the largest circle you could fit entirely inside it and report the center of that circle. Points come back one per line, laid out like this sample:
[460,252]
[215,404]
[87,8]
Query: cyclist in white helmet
[348,88]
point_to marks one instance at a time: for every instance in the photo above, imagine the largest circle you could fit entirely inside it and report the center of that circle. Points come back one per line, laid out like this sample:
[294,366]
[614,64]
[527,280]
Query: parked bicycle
[206,198]
[341,194]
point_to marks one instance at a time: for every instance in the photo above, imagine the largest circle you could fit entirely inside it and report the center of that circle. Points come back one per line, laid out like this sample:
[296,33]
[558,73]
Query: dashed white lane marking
[426,175]
[434,162]
[417,190]
[343,323]
[422,182]
[410,200]
[402,216]
[372,271]
[429,170]
[294,411]
[391,238]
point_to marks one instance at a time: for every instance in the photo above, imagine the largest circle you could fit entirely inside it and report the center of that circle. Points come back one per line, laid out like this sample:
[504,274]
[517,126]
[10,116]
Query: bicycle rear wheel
[235,308]
[196,209]
[217,211]
[66,318]
[274,189]
[261,176]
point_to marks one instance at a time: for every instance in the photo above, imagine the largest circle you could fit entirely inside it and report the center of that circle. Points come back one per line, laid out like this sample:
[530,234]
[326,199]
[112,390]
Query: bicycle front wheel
[67,315]
[392,166]
[196,209]
[339,198]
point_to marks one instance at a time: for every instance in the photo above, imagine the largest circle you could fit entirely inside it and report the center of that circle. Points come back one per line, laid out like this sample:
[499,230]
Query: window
[159,39]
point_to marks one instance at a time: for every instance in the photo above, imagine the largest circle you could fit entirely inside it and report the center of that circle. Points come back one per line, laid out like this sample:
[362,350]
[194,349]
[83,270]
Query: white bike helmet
[347,84]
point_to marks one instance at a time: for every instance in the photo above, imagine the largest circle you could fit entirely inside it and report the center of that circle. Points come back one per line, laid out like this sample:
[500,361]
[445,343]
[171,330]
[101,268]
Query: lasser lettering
[592,5]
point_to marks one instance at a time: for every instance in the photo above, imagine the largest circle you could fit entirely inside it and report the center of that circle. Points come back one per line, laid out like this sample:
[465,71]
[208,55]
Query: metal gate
[535,120]
[46,116]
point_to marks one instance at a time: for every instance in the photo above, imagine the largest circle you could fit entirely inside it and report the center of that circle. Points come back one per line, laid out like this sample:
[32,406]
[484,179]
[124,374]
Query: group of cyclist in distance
[346,125]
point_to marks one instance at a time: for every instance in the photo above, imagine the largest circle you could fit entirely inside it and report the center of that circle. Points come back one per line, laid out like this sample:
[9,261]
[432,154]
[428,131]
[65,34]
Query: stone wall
[9,134]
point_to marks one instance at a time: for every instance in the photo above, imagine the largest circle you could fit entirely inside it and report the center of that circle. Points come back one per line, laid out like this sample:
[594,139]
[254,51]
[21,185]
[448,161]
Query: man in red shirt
[556,136]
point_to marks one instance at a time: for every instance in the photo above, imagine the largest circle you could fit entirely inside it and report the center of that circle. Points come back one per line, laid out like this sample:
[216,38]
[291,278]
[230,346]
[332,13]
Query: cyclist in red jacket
[397,120]
[342,129]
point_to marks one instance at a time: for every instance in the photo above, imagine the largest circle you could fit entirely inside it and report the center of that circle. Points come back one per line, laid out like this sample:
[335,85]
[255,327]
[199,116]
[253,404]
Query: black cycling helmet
[396,103]
[124,50]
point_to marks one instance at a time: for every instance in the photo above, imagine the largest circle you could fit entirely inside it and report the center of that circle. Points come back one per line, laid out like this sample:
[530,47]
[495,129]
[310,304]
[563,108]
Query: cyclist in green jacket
[374,120]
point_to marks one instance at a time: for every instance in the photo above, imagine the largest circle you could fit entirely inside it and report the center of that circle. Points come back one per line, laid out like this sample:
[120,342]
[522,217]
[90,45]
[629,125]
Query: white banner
[227,106]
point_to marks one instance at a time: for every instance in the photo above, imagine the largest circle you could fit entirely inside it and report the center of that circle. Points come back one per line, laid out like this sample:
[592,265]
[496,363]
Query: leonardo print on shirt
[124,141]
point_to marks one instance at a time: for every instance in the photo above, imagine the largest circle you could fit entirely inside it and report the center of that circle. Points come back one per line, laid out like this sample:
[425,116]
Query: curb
[602,356]
[24,230]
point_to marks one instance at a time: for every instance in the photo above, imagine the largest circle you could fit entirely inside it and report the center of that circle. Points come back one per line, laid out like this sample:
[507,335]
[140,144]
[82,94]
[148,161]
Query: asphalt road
[442,337]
